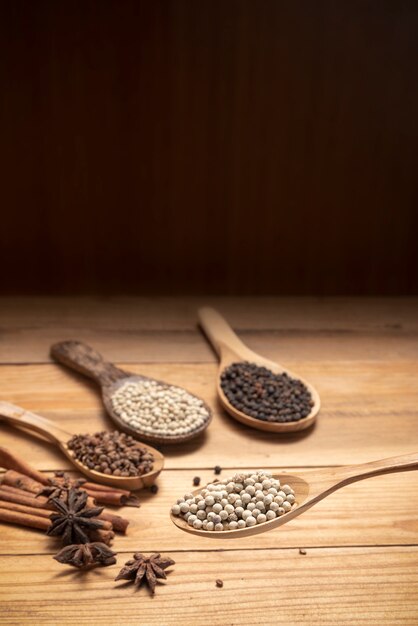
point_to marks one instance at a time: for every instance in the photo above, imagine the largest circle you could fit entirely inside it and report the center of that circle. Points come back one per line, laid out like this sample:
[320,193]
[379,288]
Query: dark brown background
[209,146]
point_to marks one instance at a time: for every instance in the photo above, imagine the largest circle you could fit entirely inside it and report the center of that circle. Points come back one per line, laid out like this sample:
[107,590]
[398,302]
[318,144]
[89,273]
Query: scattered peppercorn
[302,551]
[196,481]
[219,583]
[112,453]
[259,393]
[154,488]
[217,469]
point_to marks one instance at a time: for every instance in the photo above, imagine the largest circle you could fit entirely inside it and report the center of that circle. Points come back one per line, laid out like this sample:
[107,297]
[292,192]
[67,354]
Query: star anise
[85,555]
[59,486]
[145,568]
[73,521]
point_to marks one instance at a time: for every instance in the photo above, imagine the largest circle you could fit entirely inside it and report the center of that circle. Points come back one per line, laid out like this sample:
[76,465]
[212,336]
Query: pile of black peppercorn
[259,393]
[113,453]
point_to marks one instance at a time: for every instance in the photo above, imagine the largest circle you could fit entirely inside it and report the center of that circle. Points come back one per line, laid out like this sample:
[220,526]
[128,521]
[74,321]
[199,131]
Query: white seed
[217,508]
[197,524]
[290,498]
[287,506]
[287,489]
[219,526]
[250,521]
[175,509]
[270,515]
[261,518]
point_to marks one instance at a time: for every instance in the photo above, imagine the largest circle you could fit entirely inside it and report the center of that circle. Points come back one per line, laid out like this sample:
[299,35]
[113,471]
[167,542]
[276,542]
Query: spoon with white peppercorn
[144,407]
[254,390]
[255,502]
[131,456]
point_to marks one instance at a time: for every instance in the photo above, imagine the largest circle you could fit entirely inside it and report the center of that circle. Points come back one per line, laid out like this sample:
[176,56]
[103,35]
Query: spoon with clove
[231,350]
[16,416]
[84,359]
[310,487]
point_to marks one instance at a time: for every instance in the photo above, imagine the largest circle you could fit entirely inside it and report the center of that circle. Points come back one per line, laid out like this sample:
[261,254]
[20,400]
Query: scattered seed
[196,481]
[154,488]
[217,469]
[219,583]
[302,551]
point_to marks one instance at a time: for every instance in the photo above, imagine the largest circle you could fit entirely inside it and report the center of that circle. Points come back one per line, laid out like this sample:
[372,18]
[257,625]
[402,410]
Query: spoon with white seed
[309,487]
[113,382]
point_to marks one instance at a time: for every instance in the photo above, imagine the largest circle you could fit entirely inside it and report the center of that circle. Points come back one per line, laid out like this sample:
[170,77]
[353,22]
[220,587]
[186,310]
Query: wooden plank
[326,586]
[159,313]
[24,345]
[369,411]
[378,511]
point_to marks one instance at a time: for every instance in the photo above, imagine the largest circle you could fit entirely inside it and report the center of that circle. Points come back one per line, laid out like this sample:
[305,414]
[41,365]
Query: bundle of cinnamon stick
[20,504]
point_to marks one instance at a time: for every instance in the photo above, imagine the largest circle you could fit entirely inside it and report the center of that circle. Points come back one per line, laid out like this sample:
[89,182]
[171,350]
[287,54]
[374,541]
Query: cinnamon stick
[33,505]
[42,523]
[22,508]
[98,487]
[19,480]
[16,495]
[24,519]
[10,461]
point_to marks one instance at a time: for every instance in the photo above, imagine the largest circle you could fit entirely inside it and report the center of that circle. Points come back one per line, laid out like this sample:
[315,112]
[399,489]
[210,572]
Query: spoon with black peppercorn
[308,487]
[144,407]
[19,417]
[254,390]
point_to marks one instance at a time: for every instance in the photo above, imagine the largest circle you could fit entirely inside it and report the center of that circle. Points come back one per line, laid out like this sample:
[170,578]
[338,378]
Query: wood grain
[361,565]
[324,587]
[361,404]
[204,126]
[378,511]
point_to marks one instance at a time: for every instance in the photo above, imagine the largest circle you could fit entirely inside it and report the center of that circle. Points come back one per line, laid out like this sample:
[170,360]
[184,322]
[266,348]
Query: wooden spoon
[310,487]
[16,416]
[230,349]
[84,359]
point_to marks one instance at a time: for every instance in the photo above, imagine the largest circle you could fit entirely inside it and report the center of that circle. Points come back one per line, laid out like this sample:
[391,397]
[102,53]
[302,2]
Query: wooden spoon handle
[17,416]
[341,476]
[82,358]
[220,334]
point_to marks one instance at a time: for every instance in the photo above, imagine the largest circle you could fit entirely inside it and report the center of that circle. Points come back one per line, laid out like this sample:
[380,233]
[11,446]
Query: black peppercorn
[264,395]
[217,469]
[196,481]
[154,488]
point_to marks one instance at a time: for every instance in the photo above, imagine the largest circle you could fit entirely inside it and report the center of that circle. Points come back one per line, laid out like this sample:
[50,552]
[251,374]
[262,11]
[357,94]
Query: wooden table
[361,562]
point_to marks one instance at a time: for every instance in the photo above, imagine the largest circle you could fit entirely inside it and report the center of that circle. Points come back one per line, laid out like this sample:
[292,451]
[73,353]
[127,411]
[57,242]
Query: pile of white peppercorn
[159,410]
[242,501]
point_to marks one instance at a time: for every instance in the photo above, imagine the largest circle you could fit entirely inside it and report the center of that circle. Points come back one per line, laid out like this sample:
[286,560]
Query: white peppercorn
[159,410]
[236,504]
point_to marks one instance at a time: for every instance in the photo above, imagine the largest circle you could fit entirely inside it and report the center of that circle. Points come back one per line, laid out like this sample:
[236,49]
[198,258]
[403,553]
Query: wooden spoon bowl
[16,416]
[310,487]
[230,349]
[82,358]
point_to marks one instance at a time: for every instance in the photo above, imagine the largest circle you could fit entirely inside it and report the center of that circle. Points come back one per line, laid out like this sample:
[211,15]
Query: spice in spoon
[244,500]
[259,393]
[159,410]
[112,453]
